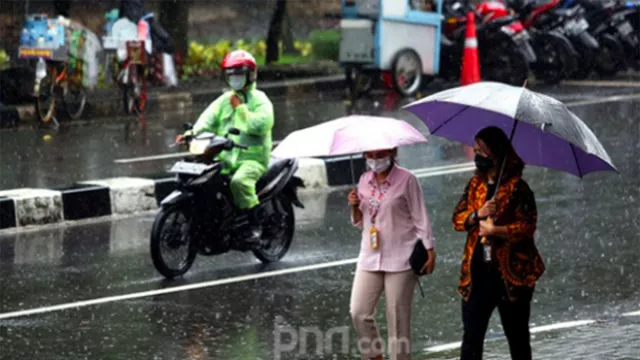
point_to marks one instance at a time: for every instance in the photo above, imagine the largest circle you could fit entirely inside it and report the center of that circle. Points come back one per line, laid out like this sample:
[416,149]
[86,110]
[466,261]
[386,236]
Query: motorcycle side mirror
[234,131]
[187,126]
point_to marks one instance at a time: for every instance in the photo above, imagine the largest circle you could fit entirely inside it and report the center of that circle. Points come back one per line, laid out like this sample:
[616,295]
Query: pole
[353,175]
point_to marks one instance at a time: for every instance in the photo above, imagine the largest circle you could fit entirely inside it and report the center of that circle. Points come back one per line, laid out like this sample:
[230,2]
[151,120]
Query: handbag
[417,259]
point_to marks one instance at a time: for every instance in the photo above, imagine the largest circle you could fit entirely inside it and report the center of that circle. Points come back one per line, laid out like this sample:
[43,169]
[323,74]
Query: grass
[288,59]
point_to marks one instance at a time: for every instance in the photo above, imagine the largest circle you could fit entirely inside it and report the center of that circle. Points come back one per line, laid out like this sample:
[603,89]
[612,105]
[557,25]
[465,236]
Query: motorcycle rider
[250,111]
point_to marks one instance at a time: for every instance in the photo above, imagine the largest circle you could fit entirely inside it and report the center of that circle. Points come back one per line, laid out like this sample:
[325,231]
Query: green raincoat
[254,118]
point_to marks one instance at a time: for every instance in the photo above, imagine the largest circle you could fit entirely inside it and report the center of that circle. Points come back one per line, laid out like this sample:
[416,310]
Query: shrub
[4,60]
[325,44]
[206,59]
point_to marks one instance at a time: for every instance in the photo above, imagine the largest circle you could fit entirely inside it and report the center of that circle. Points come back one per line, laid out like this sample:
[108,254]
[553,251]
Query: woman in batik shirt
[500,264]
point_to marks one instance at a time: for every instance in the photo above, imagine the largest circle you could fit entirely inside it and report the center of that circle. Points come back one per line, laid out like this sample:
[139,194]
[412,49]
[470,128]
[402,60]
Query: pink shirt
[402,219]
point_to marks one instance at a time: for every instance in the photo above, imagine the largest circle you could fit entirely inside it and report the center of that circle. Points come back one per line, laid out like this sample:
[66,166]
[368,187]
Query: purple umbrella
[542,129]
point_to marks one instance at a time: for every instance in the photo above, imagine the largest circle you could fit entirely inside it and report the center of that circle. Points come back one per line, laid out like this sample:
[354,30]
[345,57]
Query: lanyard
[374,202]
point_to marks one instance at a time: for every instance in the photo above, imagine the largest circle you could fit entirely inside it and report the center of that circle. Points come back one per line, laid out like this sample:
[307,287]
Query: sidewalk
[614,340]
[275,80]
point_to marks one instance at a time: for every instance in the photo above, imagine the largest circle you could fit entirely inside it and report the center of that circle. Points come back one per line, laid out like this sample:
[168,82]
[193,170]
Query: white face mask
[379,165]
[237,82]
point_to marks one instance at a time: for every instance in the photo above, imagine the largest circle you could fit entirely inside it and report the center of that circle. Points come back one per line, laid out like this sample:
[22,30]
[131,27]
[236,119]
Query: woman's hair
[394,154]
[500,146]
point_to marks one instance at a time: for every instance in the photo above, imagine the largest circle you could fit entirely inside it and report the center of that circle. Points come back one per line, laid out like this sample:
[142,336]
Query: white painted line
[175,289]
[563,325]
[533,330]
[607,99]
[151,158]
[443,347]
[444,167]
[162,156]
[608,83]
[635,313]
[425,174]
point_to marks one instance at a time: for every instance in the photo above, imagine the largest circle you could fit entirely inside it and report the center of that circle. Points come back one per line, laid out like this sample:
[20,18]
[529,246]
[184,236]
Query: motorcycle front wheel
[279,229]
[171,232]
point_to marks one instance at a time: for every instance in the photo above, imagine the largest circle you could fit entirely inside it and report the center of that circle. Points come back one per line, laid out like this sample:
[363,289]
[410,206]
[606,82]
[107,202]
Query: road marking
[425,174]
[161,157]
[613,98]
[443,347]
[562,325]
[607,99]
[533,330]
[608,83]
[175,289]
[635,313]
[152,158]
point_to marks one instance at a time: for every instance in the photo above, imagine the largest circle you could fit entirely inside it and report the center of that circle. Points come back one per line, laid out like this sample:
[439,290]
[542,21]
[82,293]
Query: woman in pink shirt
[389,208]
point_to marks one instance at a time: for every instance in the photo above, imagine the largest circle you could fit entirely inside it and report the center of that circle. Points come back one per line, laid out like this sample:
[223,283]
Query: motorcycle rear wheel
[555,60]
[158,230]
[505,63]
[279,243]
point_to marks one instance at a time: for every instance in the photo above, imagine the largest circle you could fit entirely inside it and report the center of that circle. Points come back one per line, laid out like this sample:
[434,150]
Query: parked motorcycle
[199,216]
[555,57]
[620,45]
[503,48]
[570,23]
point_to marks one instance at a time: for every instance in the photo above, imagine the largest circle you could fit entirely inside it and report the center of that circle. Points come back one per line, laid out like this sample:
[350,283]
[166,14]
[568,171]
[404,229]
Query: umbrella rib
[449,119]
[458,113]
[575,157]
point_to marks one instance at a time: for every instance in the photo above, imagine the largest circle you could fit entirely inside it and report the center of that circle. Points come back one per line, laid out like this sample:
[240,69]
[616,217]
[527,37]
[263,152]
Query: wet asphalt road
[588,236]
[52,158]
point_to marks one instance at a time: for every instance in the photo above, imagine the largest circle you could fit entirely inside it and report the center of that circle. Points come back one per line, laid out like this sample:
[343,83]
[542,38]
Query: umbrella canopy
[348,135]
[544,132]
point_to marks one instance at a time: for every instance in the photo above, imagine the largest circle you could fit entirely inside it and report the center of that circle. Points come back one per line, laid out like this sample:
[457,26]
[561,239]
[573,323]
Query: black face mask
[483,163]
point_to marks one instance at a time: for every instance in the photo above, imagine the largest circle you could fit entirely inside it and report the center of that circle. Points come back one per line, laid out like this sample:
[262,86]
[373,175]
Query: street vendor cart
[401,37]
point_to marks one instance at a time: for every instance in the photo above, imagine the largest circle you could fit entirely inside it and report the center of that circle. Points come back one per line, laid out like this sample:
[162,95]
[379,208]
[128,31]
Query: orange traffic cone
[470,61]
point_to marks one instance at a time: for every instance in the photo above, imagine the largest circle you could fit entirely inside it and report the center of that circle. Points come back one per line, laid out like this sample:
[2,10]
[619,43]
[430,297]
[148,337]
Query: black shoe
[255,226]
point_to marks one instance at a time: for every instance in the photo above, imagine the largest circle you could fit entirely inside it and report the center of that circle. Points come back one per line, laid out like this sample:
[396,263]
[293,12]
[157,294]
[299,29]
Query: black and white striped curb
[131,195]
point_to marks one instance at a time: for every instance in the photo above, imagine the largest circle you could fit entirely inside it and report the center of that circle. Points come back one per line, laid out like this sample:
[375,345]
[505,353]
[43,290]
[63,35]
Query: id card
[373,238]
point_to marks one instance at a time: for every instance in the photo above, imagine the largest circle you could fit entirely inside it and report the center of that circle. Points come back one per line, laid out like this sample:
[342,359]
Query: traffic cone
[470,61]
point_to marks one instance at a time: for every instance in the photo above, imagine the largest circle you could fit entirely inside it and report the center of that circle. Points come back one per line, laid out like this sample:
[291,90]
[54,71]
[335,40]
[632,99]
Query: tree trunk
[13,13]
[288,46]
[275,32]
[62,7]
[174,18]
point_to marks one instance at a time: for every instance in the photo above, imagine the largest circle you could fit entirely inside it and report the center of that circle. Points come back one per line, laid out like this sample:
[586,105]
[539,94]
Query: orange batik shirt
[518,259]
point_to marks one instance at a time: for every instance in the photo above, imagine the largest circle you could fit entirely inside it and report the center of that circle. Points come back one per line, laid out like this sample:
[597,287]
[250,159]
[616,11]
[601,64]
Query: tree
[275,32]
[174,17]
[62,7]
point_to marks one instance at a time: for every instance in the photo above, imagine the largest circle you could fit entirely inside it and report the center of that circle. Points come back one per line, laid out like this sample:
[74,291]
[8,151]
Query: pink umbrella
[347,136]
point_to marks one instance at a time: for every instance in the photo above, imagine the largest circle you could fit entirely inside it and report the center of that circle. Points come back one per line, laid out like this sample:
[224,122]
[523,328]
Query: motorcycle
[503,46]
[570,23]
[199,216]
[619,41]
[554,56]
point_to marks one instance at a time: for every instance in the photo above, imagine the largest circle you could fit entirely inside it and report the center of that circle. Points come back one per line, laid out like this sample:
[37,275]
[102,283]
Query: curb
[26,207]
[11,116]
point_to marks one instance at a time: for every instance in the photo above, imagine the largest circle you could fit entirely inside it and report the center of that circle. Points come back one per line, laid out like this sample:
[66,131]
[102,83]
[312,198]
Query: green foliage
[325,44]
[4,60]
